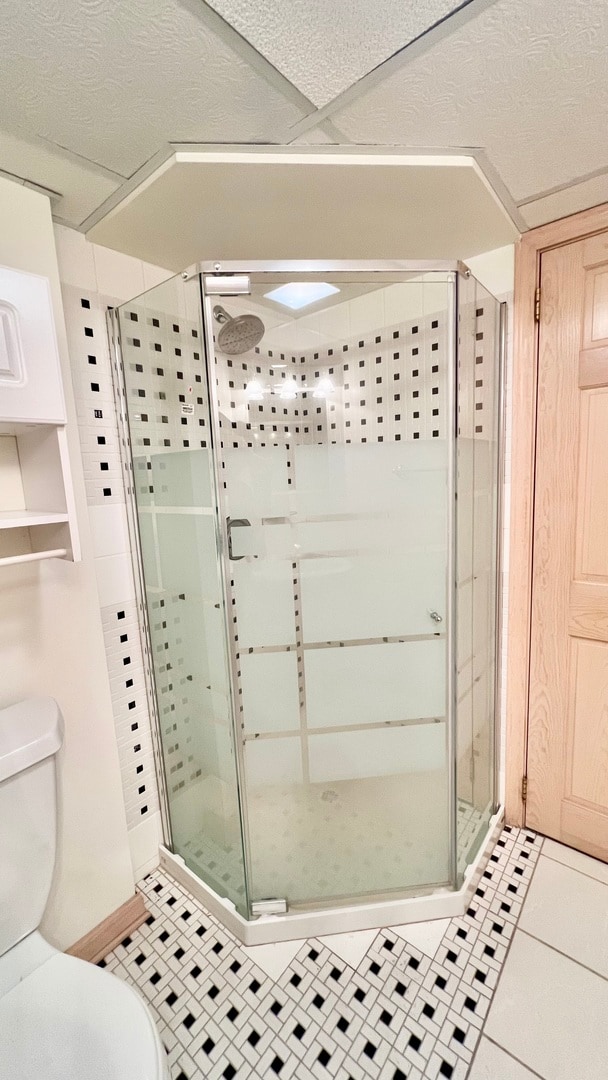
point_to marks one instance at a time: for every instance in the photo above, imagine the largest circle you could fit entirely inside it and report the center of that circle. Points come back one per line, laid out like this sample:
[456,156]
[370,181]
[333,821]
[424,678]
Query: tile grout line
[575,869]
[532,1072]
[504,963]
[566,956]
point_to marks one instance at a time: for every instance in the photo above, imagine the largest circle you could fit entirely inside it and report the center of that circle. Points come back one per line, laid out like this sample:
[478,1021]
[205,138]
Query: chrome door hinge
[537,305]
[524,789]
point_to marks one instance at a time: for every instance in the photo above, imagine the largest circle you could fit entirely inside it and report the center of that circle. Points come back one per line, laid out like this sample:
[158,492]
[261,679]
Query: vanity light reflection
[288,389]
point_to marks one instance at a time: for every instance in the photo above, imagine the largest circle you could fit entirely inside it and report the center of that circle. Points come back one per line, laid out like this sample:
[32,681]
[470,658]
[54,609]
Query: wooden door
[567,758]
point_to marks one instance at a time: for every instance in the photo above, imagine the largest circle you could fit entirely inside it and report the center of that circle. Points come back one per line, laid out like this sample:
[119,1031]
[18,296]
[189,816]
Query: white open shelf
[23,519]
[37,519]
[37,510]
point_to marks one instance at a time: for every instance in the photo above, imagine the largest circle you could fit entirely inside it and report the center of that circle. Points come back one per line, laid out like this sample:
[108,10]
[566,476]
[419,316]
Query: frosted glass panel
[184,541]
[373,596]
[350,755]
[256,482]
[270,692]
[399,531]
[274,761]
[375,684]
[370,478]
[263,591]
[182,479]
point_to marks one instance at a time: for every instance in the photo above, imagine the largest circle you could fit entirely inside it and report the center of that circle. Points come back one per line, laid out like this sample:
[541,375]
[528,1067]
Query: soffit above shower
[273,204]
[324,48]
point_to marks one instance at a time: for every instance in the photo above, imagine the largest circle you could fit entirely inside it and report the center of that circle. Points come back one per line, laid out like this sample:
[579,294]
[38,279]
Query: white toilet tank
[30,735]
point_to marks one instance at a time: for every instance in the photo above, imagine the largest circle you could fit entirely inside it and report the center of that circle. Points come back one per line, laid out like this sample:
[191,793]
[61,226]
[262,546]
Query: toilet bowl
[60,1018]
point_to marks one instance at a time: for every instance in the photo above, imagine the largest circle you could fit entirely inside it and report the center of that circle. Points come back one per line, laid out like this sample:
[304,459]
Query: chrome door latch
[435,616]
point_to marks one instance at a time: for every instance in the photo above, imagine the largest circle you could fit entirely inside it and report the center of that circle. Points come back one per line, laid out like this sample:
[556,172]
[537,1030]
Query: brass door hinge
[537,305]
[524,788]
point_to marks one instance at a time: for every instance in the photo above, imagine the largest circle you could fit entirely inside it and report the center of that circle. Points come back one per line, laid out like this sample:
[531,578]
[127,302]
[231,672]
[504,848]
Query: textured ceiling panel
[115,81]
[568,200]
[526,79]
[80,187]
[321,47]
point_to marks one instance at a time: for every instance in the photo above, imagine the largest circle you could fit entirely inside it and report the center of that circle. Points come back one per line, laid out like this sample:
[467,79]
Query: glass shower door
[166,403]
[332,441]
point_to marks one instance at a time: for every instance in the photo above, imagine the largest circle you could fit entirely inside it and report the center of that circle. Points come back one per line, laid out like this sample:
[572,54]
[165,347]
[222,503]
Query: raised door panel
[595,326]
[592,515]
[587,773]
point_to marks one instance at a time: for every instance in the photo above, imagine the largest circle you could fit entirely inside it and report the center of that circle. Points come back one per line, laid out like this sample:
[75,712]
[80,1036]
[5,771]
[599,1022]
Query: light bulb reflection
[254,391]
[324,387]
[289,389]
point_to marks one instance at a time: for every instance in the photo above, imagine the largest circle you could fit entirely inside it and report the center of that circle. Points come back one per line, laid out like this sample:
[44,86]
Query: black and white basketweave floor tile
[394,1012]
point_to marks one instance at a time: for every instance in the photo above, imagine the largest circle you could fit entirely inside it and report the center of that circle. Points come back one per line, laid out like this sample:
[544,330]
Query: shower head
[239,334]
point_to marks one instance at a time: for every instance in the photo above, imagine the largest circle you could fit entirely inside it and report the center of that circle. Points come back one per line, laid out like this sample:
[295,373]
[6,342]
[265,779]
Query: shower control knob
[435,616]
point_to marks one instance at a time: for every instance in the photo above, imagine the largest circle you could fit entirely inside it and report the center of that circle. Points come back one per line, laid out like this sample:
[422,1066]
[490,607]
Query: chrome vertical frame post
[452,573]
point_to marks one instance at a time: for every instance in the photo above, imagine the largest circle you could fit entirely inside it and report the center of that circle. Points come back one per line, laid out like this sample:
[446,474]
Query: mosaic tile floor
[402,1013]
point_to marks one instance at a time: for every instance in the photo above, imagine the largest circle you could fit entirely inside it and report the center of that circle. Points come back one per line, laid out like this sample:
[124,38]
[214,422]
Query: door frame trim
[528,252]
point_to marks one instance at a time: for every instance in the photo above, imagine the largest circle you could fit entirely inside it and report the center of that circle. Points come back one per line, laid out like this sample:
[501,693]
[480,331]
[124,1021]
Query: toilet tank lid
[29,732]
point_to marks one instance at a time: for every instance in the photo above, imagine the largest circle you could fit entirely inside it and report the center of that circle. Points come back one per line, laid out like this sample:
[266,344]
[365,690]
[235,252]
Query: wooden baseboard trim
[109,933]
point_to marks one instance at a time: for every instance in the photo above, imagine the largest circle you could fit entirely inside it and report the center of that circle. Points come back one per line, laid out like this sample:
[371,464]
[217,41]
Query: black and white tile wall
[390,385]
[393,1011]
[168,415]
[85,313]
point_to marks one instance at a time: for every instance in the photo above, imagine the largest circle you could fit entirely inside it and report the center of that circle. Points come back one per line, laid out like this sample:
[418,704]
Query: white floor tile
[569,911]
[350,947]
[550,1013]
[492,1063]
[426,936]
[273,959]
[569,857]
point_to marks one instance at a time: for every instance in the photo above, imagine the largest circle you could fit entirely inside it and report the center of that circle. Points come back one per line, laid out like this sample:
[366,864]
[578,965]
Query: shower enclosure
[315,477]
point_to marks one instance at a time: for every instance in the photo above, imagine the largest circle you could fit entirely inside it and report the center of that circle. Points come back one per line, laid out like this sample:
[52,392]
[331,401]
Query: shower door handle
[233,523]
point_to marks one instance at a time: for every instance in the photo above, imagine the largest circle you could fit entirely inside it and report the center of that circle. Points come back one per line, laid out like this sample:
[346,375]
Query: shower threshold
[374,913]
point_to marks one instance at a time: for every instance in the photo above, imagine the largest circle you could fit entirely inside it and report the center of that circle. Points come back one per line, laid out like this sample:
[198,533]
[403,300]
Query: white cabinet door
[30,375]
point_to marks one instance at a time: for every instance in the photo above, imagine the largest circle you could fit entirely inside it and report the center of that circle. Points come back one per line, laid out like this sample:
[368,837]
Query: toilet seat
[70,1020]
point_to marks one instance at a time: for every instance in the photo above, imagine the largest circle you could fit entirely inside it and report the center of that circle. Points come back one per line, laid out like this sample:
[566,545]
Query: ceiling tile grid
[80,187]
[93,90]
[116,82]
[526,79]
[323,48]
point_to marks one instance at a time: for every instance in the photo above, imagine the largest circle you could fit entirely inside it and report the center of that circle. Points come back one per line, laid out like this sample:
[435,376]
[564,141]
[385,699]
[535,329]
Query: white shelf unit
[37,513]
